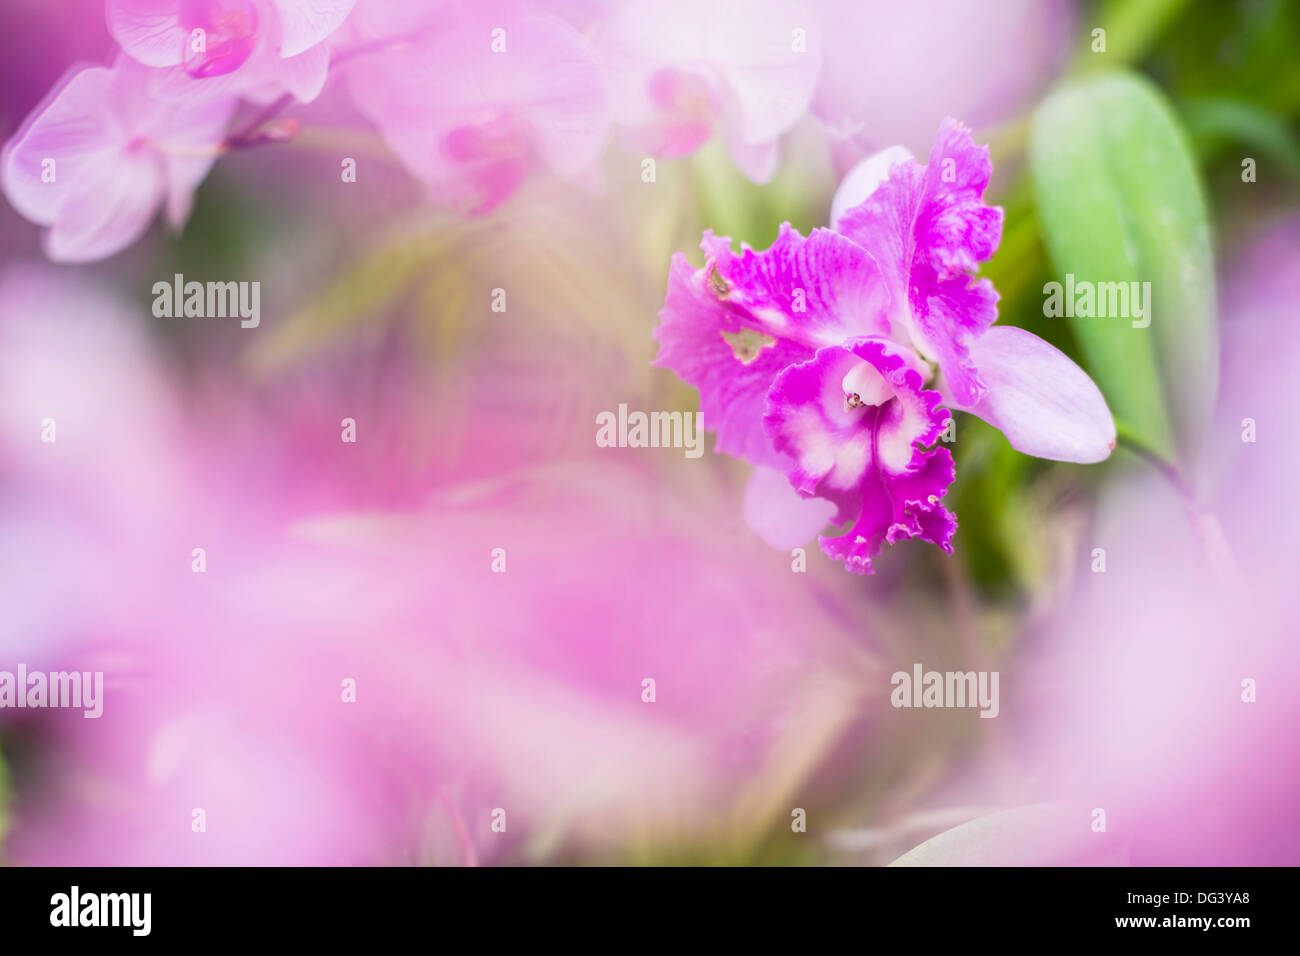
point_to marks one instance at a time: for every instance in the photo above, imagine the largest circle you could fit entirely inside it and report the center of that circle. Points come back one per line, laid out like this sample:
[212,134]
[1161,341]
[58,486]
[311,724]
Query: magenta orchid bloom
[1046,405]
[813,358]
[100,156]
[473,110]
[744,70]
[255,48]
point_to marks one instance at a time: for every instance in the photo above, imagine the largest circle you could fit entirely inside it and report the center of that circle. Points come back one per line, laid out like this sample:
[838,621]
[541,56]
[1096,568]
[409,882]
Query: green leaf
[1132,27]
[1119,200]
[1217,121]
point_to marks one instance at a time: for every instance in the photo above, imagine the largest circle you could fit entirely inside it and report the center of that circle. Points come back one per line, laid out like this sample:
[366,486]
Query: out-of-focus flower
[811,357]
[39,41]
[680,72]
[101,155]
[255,48]
[476,108]
[895,70]
[521,688]
[1157,694]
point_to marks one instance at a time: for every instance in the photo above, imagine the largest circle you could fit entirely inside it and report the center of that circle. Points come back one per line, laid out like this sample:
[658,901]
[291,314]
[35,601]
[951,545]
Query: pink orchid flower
[475,109]
[1046,405]
[746,70]
[813,358]
[255,48]
[100,156]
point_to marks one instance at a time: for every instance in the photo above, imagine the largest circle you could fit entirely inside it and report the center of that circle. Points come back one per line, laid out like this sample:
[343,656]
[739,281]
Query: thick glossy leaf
[1119,201]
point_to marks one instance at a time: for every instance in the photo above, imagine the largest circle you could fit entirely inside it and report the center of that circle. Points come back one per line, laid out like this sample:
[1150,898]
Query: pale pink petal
[750,50]
[862,180]
[672,111]
[758,161]
[780,515]
[910,64]
[74,127]
[183,178]
[117,153]
[108,210]
[473,123]
[149,30]
[305,23]
[769,79]
[568,112]
[1045,404]
[304,75]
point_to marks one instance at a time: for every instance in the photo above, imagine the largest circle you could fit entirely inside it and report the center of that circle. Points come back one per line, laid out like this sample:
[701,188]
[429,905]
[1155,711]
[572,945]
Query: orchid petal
[731,326]
[928,228]
[1044,403]
[474,124]
[73,128]
[758,161]
[109,209]
[853,421]
[863,179]
[780,515]
[149,30]
[305,23]
[736,58]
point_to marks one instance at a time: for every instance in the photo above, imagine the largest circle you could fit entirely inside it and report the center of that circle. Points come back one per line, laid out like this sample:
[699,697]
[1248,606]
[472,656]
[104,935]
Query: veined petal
[109,208]
[116,155]
[728,328]
[149,31]
[737,51]
[305,23]
[815,291]
[929,229]
[75,129]
[853,421]
[861,181]
[474,124]
[708,345]
[304,74]
[1045,404]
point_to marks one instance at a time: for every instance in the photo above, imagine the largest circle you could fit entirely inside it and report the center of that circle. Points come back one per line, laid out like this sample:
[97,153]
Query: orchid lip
[863,385]
[227,30]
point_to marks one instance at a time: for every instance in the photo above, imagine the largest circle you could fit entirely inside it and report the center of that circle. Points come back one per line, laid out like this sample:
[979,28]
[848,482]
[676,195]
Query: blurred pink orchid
[254,48]
[474,689]
[100,156]
[475,109]
[744,70]
[982,62]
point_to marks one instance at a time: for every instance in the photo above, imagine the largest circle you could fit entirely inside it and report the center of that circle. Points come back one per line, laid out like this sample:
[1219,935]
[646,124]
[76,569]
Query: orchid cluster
[473,98]
[834,360]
